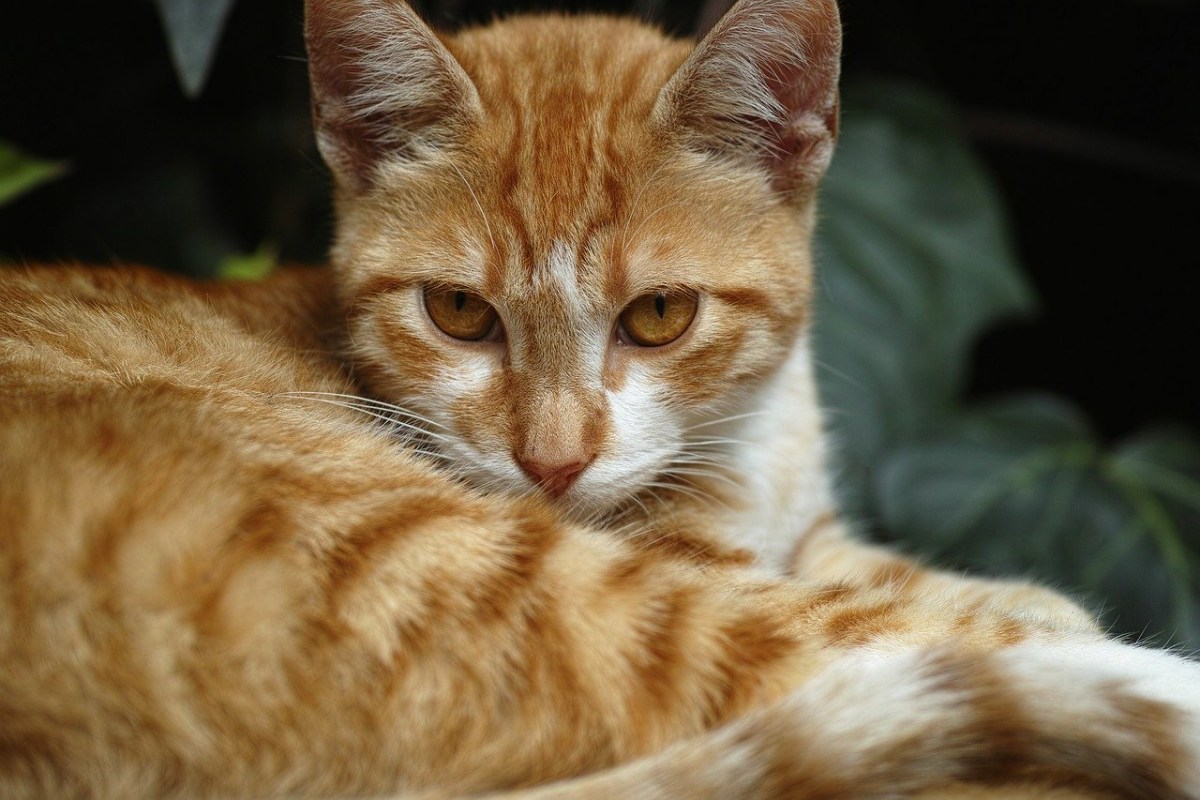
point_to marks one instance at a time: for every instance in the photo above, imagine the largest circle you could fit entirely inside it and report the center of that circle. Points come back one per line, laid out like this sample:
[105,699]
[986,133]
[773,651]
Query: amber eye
[658,318]
[460,314]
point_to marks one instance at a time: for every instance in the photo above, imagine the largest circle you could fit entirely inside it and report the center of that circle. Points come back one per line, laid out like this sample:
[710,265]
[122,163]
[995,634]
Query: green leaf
[913,264]
[20,173]
[1024,420]
[1168,460]
[1022,487]
[193,29]
[252,267]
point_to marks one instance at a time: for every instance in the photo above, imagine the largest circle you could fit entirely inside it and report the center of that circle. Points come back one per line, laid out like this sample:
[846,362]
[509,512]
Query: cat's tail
[1077,719]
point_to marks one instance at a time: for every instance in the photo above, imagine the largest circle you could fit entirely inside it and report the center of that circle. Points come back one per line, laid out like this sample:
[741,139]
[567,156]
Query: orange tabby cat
[572,274]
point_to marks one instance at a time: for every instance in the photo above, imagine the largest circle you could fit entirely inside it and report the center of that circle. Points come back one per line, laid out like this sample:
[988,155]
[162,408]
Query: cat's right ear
[384,89]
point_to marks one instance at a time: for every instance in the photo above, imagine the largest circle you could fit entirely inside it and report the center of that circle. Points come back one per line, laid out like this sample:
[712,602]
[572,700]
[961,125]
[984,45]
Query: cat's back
[148,379]
[142,413]
[131,397]
[121,324]
[162,484]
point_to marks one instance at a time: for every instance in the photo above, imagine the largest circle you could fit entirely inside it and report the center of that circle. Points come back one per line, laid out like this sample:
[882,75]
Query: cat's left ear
[762,86]
[384,88]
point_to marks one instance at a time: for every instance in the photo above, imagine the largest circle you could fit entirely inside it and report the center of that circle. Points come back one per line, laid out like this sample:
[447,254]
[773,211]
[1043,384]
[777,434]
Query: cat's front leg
[828,552]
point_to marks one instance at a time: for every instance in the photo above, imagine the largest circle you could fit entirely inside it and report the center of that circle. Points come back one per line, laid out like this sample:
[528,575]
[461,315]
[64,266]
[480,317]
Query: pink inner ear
[334,74]
[382,83]
[763,84]
[808,88]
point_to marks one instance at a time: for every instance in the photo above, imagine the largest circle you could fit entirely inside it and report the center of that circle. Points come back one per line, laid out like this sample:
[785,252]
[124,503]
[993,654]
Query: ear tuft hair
[762,85]
[383,87]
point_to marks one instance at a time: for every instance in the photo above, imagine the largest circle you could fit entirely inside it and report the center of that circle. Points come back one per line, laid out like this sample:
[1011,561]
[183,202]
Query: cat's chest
[777,456]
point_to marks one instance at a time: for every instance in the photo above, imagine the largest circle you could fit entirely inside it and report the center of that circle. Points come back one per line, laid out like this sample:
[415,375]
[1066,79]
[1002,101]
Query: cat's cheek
[392,351]
[473,396]
[644,435]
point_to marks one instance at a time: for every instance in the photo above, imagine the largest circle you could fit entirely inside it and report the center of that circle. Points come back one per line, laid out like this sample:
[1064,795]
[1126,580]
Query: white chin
[582,501]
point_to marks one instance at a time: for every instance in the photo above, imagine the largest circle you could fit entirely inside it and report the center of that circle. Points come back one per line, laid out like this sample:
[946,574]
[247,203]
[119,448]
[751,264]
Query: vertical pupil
[660,305]
[460,300]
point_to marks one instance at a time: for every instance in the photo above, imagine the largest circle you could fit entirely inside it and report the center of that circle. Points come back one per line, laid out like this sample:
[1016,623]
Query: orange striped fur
[293,539]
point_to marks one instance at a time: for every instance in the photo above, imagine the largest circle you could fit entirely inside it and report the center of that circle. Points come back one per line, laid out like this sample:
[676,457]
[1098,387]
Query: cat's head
[564,241]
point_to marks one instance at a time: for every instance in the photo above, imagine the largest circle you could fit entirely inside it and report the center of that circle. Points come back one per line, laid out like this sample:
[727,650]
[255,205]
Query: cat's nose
[554,478]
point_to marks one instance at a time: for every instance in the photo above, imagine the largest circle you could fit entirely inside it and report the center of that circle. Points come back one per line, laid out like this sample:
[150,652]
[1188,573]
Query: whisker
[684,488]
[699,462]
[715,440]
[385,418]
[672,472]
[356,400]
[654,214]
[478,205]
[726,419]
[371,401]
[832,370]
[640,505]
[742,442]
[471,190]
[637,200]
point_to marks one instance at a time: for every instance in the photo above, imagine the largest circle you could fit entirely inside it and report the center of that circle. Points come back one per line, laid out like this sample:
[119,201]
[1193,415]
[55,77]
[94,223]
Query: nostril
[554,478]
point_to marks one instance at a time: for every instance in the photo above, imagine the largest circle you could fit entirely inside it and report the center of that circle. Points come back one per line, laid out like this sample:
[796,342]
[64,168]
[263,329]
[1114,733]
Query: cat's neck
[779,458]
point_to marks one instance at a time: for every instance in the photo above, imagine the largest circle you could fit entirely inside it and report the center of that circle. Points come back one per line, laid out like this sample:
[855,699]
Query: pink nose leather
[554,479]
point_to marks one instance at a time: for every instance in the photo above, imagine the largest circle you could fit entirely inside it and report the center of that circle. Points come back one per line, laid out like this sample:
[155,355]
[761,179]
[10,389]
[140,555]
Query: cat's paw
[835,558]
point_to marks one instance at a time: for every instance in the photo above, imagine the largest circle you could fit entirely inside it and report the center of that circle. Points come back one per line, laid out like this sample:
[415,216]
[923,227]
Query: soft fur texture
[290,538]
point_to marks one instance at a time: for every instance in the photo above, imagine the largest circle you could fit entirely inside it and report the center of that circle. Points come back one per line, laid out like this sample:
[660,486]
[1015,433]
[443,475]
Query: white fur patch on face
[487,464]
[643,430]
[560,275]
[644,436]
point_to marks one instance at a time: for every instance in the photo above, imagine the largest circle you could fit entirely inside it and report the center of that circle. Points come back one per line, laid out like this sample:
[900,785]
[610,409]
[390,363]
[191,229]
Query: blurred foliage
[193,29]
[252,267]
[1022,486]
[20,173]
[915,264]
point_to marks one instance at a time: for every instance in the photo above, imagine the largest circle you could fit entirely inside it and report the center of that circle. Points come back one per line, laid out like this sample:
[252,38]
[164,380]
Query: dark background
[1084,112]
